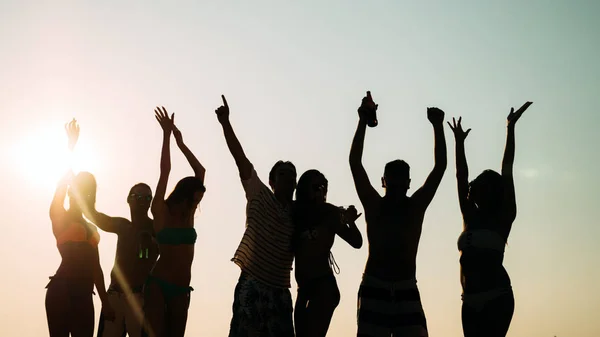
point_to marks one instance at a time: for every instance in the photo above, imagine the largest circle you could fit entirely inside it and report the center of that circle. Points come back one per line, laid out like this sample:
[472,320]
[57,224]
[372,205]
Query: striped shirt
[265,251]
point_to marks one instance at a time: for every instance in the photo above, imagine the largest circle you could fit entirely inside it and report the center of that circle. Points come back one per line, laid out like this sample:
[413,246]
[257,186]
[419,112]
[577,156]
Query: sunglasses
[140,197]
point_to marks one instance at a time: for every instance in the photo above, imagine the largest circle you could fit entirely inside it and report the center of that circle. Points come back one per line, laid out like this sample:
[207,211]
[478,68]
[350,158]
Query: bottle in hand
[368,110]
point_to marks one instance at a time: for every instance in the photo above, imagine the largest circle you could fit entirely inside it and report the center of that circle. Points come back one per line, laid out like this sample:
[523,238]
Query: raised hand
[223,111]
[166,123]
[368,109]
[514,116]
[72,129]
[435,116]
[350,214]
[459,134]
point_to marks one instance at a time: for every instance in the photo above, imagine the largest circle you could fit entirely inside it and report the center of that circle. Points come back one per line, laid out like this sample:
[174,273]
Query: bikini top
[177,236]
[312,234]
[482,239]
[78,232]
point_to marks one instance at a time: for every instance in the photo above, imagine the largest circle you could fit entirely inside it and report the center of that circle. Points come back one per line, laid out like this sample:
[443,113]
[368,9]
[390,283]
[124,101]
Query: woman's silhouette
[69,304]
[317,223]
[167,290]
[488,206]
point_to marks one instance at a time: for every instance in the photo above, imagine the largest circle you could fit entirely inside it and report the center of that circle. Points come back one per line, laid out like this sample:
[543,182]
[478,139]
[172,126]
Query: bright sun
[42,157]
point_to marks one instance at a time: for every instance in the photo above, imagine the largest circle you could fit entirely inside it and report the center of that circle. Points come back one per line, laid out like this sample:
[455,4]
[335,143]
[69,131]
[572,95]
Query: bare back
[394,231]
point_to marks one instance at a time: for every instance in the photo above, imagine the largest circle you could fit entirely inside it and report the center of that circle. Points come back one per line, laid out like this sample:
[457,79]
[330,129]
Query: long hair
[305,208]
[184,191]
[488,189]
[304,189]
[82,191]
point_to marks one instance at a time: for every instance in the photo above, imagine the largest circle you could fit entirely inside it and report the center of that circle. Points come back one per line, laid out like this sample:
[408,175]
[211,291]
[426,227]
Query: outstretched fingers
[161,113]
[453,126]
[457,129]
[158,113]
[162,117]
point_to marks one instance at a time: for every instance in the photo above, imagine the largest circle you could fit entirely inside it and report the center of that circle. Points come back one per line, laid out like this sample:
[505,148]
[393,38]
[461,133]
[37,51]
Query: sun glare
[42,157]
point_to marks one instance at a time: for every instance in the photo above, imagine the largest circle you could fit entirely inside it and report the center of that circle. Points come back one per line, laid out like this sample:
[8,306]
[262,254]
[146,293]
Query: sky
[294,74]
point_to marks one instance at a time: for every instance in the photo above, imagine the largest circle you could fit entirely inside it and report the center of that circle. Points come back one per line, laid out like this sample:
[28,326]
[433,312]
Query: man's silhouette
[136,254]
[262,303]
[389,301]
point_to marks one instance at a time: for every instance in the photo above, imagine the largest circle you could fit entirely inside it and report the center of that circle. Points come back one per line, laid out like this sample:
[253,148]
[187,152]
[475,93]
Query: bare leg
[154,311]
[115,328]
[82,316]
[493,321]
[57,310]
[177,314]
[134,315]
[300,321]
[324,299]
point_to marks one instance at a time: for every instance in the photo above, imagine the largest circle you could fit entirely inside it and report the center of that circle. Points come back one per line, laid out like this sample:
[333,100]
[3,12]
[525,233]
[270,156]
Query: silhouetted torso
[136,254]
[76,265]
[394,230]
[76,242]
[175,261]
[314,237]
[481,267]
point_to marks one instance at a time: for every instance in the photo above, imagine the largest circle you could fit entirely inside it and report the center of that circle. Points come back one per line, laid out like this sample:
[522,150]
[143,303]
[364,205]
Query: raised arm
[462,170]
[104,222]
[57,208]
[166,123]
[508,160]
[347,229]
[242,162]
[366,193]
[425,194]
[199,170]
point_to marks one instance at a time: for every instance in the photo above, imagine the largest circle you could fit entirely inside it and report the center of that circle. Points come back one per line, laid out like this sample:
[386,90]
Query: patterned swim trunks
[261,310]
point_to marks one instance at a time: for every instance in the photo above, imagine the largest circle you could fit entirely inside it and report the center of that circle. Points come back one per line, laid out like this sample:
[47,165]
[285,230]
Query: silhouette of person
[167,290]
[488,205]
[69,303]
[389,300]
[136,254]
[317,223]
[262,303]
